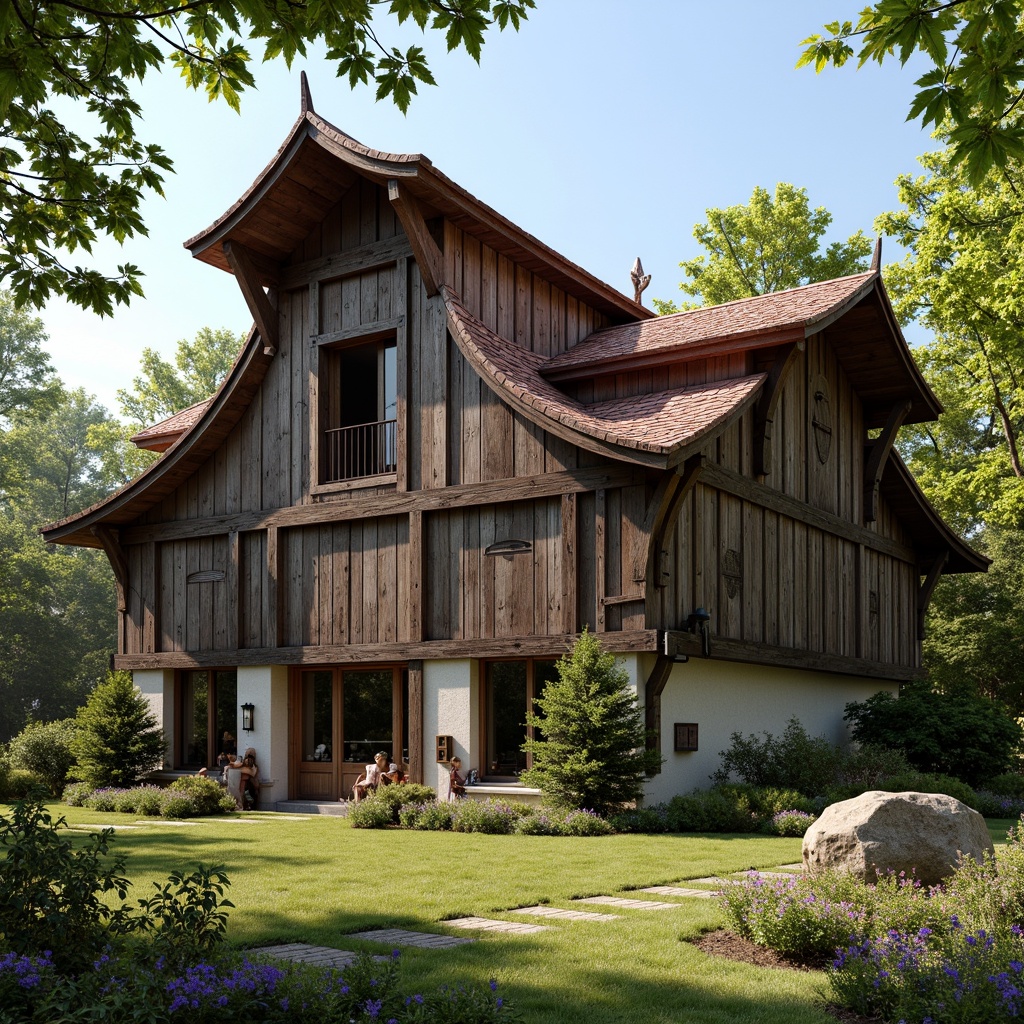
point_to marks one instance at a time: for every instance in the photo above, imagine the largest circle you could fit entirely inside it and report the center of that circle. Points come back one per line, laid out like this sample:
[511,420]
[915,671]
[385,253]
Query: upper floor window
[359,395]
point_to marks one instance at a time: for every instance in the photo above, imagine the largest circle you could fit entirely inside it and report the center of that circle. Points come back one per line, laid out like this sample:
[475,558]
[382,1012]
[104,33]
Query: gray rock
[926,833]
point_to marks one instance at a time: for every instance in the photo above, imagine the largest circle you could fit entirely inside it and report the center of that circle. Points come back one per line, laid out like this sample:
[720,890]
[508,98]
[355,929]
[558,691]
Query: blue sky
[604,128]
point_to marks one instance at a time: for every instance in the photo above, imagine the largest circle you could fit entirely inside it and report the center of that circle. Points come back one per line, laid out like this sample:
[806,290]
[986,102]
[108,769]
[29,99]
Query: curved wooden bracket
[662,515]
[111,544]
[764,411]
[653,690]
[264,314]
[875,465]
[424,249]
[924,595]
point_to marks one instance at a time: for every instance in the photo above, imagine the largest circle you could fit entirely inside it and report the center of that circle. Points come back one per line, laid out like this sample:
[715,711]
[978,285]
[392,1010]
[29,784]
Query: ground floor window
[207,717]
[510,688]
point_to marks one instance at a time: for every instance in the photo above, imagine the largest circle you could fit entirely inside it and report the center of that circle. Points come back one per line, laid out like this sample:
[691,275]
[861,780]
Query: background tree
[772,243]
[588,750]
[117,741]
[28,382]
[976,82]
[63,191]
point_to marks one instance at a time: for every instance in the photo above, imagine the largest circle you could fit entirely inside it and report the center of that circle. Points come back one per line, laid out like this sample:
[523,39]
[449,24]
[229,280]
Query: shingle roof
[162,435]
[660,424]
[798,309]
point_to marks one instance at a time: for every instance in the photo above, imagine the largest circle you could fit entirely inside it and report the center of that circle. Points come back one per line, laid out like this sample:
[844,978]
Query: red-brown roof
[654,429]
[160,436]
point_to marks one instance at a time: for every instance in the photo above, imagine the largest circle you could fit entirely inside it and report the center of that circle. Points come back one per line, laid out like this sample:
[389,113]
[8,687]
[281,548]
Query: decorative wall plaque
[686,736]
[206,576]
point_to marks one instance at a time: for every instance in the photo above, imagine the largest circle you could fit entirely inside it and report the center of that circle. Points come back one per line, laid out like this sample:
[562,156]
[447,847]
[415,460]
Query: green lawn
[316,880]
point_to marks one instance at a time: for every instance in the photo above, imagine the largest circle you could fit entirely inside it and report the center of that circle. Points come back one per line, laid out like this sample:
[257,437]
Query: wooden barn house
[445,449]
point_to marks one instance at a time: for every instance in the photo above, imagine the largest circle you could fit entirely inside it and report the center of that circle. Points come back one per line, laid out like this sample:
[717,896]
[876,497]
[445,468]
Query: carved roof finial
[640,279]
[876,258]
[307,99]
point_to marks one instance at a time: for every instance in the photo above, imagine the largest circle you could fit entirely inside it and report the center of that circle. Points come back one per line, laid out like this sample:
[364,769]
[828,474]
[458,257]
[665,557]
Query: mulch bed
[731,946]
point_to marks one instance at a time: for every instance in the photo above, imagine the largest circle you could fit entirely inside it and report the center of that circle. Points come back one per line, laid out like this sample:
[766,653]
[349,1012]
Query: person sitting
[456,783]
[371,778]
[250,779]
[395,773]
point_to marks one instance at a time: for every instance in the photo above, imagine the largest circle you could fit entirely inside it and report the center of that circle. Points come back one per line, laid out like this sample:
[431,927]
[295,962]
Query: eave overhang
[318,162]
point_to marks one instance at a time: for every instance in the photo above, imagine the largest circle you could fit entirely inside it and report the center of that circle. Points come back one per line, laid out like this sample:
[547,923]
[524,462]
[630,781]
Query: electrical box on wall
[686,736]
[445,747]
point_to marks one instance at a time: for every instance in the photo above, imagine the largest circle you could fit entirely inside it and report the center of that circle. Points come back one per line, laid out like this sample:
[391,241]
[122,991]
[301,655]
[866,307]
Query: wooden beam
[875,465]
[272,602]
[232,585]
[416,576]
[767,404]
[111,544]
[425,250]
[362,260]
[264,314]
[924,594]
[663,514]
[750,490]
[361,332]
[653,690]
[570,612]
[396,503]
[416,721]
[627,641]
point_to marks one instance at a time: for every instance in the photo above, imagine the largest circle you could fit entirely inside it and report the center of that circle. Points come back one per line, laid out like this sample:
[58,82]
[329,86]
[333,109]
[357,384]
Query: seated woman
[250,780]
[371,778]
[456,783]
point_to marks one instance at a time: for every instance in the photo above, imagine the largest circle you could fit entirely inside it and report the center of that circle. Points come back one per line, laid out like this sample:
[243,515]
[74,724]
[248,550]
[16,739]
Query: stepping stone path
[303,953]
[674,890]
[616,901]
[715,880]
[421,940]
[486,924]
[565,915]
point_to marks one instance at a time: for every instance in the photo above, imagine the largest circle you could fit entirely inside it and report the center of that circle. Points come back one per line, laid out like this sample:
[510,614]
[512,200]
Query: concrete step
[338,808]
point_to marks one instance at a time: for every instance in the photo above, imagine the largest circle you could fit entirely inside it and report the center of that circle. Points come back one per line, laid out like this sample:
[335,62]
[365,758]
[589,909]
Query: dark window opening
[208,722]
[510,688]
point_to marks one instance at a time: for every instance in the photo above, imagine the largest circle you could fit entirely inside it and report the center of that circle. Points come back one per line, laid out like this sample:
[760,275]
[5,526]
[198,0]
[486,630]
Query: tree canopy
[975,83]
[770,244]
[62,191]
[28,382]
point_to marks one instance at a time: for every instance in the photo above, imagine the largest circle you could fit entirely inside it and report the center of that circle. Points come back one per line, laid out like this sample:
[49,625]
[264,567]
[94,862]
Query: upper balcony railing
[366,449]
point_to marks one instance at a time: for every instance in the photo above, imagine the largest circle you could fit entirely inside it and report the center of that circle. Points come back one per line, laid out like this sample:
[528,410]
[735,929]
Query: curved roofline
[180,460]
[433,186]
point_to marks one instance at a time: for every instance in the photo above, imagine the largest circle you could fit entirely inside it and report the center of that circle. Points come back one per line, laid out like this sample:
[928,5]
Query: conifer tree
[588,749]
[118,739]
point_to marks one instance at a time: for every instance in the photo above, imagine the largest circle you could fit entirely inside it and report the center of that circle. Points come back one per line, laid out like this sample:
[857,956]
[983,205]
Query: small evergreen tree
[589,749]
[118,739]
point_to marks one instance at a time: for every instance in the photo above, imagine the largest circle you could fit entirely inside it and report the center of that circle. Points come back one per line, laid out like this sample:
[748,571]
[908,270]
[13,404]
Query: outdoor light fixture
[699,622]
[248,717]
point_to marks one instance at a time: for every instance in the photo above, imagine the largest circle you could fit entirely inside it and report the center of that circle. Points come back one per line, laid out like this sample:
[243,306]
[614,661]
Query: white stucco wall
[157,686]
[450,708]
[266,688]
[724,697]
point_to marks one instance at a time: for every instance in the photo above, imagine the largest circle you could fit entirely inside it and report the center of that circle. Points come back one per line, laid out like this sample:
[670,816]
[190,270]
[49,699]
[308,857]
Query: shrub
[992,805]
[712,810]
[539,824]
[794,760]
[202,796]
[396,797]
[101,800]
[585,823]
[493,817]
[865,766]
[1007,784]
[118,741]
[588,743]
[435,817]
[371,813]
[21,782]
[960,734]
[789,823]
[149,801]
[44,749]
[923,782]
[75,793]
[645,820]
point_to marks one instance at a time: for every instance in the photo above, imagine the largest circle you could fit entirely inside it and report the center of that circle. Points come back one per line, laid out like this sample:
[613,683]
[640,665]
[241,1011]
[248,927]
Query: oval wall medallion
[821,420]
[206,576]
[508,548]
[732,571]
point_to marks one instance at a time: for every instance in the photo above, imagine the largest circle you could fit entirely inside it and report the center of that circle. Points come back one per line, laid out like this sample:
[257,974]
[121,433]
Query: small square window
[686,736]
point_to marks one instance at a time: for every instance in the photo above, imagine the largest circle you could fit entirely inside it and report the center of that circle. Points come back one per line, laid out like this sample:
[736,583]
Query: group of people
[382,772]
[249,773]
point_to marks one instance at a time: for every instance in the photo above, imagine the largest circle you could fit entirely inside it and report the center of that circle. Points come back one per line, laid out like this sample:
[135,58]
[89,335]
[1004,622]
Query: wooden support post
[767,403]
[653,690]
[425,250]
[231,583]
[875,465]
[924,595]
[416,721]
[264,315]
[416,571]
[274,606]
[568,582]
[600,556]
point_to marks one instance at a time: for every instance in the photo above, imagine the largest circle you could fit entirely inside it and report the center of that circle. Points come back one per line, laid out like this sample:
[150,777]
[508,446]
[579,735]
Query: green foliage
[588,745]
[789,823]
[65,191]
[959,734]
[54,896]
[28,383]
[644,820]
[712,810]
[194,796]
[976,80]
[771,244]
[1008,784]
[20,782]
[185,918]
[371,813]
[118,740]
[794,760]
[47,750]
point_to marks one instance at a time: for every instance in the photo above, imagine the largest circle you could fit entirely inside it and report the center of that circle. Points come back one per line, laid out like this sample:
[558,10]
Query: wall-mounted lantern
[699,622]
[248,717]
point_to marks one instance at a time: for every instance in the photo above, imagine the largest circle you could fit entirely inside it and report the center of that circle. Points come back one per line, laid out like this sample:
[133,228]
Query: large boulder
[926,833]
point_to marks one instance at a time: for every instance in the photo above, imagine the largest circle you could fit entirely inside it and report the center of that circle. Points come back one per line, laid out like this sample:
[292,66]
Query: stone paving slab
[675,890]
[616,901]
[421,940]
[565,915]
[715,880]
[791,867]
[486,924]
[303,953]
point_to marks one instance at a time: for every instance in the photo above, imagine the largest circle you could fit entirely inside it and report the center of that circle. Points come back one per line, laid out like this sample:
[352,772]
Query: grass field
[317,879]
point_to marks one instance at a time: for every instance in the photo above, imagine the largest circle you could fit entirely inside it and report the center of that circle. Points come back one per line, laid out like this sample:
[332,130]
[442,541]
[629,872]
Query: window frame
[181,762]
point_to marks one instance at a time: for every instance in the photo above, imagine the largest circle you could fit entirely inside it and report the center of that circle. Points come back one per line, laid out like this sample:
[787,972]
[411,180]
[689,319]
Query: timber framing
[875,465]
[767,405]
[264,313]
[427,254]
[924,595]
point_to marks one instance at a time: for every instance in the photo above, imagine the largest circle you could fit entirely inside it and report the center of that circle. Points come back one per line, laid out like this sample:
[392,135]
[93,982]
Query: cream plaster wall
[157,686]
[724,697]
[451,693]
[266,688]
